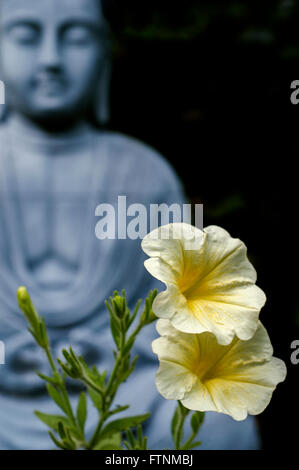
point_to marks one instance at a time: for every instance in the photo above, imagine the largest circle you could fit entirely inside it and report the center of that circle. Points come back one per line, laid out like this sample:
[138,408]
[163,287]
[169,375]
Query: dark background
[207,83]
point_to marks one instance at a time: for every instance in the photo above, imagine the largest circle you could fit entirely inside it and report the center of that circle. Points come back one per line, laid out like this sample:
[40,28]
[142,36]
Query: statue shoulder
[142,158]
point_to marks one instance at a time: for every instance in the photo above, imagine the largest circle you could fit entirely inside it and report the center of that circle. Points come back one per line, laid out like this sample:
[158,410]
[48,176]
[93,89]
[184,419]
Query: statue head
[54,58]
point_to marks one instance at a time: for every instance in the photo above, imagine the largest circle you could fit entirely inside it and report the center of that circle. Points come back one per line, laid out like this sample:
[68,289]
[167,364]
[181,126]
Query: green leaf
[115,330]
[184,411]
[56,397]
[82,411]
[126,320]
[60,445]
[95,398]
[65,435]
[43,333]
[52,420]
[129,371]
[195,444]
[127,445]
[61,431]
[34,335]
[197,420]
[67,370]
[144,443]
[131,439]
[107,446]
[123,424]
[111,443]
[51,380]
[175,423]
[129,345]
[119,409]
[69,440]
[131,320]
[92,374]
[98,378]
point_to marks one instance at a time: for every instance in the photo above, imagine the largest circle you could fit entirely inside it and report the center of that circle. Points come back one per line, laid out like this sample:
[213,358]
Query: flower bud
[27,307]
[119,304]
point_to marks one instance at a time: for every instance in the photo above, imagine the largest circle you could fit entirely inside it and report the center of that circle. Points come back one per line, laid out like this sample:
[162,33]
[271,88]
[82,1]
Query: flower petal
[236,312]
[211,288]
[234,379]
[173,380]
[247,392]
[176,349]
[170,243]
[163,305]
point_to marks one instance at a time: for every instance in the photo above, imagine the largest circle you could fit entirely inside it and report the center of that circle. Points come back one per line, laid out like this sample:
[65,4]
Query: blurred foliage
[253,21]
[227,206]
[207,83]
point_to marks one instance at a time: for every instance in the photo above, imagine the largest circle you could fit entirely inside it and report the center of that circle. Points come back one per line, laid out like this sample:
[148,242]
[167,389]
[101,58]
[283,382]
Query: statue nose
[49,53]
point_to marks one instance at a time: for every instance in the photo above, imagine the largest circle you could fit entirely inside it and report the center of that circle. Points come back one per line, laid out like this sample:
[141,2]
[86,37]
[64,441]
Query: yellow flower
[235,379]
[210,282]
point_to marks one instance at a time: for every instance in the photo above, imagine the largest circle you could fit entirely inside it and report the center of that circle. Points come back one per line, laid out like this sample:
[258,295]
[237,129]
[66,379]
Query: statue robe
[49,190]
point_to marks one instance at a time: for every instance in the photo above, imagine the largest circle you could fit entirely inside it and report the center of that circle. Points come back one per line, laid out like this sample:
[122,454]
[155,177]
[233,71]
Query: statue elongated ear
[2,101]
[2,92]
[101,104]
[102,98]
[3,112]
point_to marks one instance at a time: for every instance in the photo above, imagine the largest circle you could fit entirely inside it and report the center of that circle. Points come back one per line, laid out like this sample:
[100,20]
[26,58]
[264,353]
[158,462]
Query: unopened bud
[27,307]
[119,306]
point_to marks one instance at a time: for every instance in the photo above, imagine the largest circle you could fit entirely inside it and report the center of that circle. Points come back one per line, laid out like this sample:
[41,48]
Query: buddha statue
[56,167]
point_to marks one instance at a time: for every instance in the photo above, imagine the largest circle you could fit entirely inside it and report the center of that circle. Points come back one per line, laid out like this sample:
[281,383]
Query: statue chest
[49,201]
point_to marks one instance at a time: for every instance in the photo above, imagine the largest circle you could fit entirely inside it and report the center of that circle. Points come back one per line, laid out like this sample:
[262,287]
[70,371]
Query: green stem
[138,328]
[95,436]
[111,387]
[106,405]
[68,404]
[61,385]
[113,374]
[189,441]
[118,363]
[90,384]
[51,361]
[181,425]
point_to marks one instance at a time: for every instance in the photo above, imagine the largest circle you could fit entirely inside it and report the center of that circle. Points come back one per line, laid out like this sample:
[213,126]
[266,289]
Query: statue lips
[50,84]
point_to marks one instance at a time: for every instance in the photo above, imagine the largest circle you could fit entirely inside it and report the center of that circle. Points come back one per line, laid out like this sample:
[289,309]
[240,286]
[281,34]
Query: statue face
[51,52]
